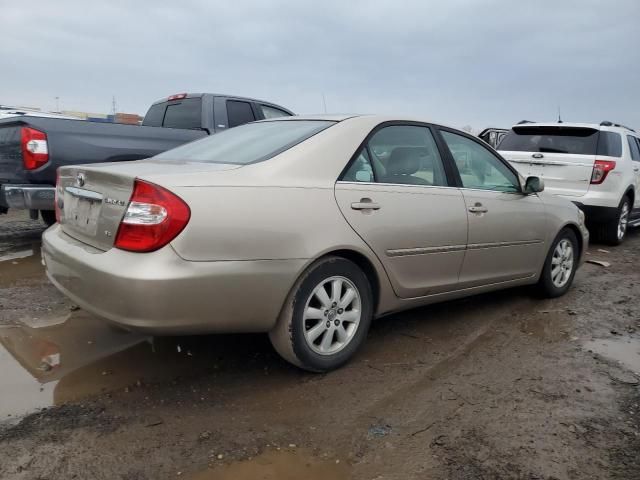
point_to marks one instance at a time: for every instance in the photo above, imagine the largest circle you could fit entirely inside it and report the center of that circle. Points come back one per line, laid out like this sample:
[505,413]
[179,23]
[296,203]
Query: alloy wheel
[332,315]
[623,220]
[562,263]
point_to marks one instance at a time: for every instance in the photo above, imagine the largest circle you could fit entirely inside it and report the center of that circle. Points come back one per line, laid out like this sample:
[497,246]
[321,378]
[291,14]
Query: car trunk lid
[94,198]
[563,156]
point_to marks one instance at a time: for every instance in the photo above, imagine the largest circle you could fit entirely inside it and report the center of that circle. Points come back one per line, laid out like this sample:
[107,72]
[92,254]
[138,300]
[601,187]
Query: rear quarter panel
[270,223]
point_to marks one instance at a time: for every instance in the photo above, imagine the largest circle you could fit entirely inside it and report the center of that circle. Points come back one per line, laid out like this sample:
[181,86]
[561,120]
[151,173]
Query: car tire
[553,282]
[614,231]
[321,332]
[48,217]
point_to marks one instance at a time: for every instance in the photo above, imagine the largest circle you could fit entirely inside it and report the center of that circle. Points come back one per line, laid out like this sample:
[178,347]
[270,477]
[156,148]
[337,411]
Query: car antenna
[559,118]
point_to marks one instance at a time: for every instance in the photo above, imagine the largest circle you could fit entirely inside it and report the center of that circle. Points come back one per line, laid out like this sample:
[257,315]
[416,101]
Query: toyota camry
[305,228]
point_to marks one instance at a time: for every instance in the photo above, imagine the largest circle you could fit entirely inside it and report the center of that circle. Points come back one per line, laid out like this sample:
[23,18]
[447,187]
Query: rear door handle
[365,204]
[478,208]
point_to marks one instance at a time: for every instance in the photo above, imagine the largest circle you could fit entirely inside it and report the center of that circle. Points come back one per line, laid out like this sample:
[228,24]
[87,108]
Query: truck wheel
[326,317]
[48,217]
[614,231]
[560,265]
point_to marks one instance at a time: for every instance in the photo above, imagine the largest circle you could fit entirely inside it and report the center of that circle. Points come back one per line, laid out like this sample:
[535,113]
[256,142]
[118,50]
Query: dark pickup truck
[32,148]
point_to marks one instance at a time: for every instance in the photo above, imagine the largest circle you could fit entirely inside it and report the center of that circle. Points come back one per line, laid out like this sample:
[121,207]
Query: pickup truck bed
[170,122]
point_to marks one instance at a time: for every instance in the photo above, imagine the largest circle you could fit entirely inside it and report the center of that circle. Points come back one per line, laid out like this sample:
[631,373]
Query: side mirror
[533,185]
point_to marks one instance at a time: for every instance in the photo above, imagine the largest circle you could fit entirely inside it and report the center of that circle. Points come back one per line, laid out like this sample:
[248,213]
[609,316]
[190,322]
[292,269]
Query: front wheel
[327,316]
[560,265]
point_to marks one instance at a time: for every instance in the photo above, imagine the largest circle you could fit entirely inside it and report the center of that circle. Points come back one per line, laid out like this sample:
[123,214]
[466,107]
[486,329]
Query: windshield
[577,141]
[250,143]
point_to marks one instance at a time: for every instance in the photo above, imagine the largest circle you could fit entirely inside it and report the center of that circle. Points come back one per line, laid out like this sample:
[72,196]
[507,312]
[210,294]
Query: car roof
[369,118]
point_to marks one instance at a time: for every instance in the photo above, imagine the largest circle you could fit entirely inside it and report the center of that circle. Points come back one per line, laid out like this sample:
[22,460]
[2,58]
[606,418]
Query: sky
[460,62]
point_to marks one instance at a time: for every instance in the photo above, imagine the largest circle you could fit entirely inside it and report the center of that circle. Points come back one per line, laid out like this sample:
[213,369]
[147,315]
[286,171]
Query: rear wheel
[614,231]
[327,316]
[560,265]
[48,217]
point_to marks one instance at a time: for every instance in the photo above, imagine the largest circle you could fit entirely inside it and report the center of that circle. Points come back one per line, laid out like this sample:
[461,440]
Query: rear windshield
[249,143]
[185,113]
[570,140]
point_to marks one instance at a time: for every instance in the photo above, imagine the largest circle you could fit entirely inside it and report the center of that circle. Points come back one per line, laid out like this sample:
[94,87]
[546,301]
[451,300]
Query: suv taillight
[154,217]
[35,150]
[601,169]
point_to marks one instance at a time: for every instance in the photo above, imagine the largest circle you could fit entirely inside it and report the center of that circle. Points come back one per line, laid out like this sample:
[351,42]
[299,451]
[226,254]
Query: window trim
[482,144]
[449,174]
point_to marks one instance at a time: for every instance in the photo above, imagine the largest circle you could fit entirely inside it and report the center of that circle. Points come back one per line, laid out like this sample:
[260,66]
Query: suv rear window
[571,140]
[249,143]
[185,113]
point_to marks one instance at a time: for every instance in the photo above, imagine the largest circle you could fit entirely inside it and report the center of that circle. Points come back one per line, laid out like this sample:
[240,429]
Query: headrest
[405,160]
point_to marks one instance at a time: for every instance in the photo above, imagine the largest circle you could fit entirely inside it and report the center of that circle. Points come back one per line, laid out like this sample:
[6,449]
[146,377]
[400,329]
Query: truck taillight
[154,217]
[177,96]
[601,169]
[35,150]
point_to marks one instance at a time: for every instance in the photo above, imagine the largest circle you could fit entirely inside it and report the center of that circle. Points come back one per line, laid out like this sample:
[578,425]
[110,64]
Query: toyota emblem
[80,179]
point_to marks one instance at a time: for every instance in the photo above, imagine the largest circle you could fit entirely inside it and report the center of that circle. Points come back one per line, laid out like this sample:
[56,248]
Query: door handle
[478,208]
[365,204]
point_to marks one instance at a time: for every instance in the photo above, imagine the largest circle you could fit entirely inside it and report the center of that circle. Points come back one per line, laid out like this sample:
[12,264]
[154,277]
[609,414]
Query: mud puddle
[625,351]
[278,465]
[57,360]
[21,265]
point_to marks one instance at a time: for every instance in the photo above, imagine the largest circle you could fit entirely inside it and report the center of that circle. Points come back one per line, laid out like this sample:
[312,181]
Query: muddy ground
[501,386]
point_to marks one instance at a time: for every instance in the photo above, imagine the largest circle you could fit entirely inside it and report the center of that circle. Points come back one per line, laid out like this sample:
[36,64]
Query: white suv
[595,166]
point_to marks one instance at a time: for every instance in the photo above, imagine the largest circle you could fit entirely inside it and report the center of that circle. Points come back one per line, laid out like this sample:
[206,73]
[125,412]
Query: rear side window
[185,114]
[239,113]
[272,112]
[610,144]
[251,143]
[633,146]
[571,140]
[155,115]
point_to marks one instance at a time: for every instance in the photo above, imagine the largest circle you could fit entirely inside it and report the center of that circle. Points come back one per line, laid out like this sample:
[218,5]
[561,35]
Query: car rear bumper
[27,197]
[160,293]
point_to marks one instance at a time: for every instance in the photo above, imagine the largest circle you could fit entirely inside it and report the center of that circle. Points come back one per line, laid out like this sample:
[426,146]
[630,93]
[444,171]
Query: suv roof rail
[524,121]
[607,123]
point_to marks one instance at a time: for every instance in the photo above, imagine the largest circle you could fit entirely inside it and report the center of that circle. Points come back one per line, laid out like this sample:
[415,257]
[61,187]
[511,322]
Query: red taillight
[601,169]
[177,96]
[154,217]
[58,197]
[35,150]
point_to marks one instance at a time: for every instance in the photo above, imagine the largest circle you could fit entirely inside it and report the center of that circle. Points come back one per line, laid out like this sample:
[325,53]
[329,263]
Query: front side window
[250,143]
[478,167]
[399,154]
[239,113]
[633,147]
